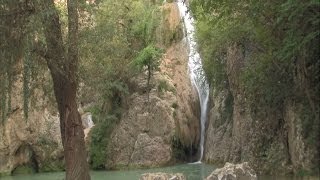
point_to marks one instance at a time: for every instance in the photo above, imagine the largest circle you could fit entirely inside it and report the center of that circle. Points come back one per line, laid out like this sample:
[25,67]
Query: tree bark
[63,70]
[76,156]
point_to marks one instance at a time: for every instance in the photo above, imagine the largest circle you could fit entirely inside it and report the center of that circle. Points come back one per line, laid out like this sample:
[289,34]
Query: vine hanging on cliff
[26,79]
[3,106]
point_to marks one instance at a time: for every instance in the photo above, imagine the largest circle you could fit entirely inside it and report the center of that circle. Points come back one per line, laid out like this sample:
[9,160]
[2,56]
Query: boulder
[150,151]
[162,176]
[233,172]
[87,120]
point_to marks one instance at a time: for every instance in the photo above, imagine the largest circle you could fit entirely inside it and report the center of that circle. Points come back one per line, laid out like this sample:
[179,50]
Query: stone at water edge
[162,176]
[233,172]
[87,120]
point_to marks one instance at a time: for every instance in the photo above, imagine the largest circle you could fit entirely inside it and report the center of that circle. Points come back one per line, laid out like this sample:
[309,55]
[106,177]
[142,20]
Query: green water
[191,171]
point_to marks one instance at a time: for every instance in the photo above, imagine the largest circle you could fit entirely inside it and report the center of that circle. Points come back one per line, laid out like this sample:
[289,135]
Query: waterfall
[197,75]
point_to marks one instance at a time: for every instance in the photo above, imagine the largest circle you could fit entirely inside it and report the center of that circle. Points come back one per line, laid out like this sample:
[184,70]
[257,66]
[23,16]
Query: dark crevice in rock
[27,162]
[183,153]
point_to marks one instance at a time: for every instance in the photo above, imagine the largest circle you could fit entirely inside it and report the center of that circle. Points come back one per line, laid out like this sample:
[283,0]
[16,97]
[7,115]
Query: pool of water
[191,171]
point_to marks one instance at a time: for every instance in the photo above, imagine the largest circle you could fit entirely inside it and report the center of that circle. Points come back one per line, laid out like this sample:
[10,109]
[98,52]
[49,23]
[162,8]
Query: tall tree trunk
[76,156]
[63,71]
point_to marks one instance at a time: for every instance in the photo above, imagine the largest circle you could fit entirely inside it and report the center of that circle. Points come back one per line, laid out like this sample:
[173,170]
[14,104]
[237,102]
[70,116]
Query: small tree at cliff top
[148,58]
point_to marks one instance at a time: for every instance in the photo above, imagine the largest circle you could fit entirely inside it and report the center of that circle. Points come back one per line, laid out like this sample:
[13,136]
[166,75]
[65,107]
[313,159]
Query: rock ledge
[162,176]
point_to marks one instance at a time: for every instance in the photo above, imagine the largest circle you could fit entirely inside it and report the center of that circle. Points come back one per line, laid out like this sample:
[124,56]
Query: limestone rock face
[302,155]
[150,151]
[231,133]
[171,111]
[162,176]
[155,119]
[263,136]
[34,142]
[233,172]
[144,134]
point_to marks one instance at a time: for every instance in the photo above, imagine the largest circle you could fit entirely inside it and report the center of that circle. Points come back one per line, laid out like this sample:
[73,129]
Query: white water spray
[197,75]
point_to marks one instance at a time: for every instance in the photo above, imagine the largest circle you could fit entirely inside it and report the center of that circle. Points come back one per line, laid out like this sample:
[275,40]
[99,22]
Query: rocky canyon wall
[33,143]
[149,132]
[271,139]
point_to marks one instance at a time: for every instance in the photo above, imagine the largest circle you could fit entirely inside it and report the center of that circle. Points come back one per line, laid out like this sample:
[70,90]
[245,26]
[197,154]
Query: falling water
[197,75]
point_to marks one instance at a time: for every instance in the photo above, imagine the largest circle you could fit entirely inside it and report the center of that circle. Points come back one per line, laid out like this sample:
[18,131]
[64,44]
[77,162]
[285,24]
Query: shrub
[99,141]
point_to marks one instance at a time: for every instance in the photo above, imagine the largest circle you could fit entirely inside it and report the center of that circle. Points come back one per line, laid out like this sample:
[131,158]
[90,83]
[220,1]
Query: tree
[15,17]
[63,69]
[148,58]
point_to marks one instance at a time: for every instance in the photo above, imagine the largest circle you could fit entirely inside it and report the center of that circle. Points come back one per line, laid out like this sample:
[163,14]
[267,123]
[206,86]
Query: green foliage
[99,141]
[147,16]
[265,80]
[22,33]
[274,35]
[26,79]
[279,44]
[244,20]
[149,57]
[164,86]
[109,47]
[95,111]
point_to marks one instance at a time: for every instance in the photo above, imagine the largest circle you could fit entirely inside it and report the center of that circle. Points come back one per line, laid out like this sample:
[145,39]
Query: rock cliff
[147,130]
[264,136]
[32,143]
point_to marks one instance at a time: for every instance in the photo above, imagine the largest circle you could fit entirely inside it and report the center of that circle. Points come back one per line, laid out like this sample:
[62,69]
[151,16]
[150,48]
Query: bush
[279,38]
[163,86]
[99,141]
